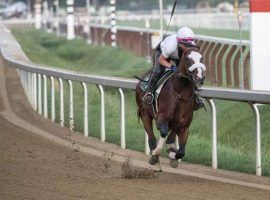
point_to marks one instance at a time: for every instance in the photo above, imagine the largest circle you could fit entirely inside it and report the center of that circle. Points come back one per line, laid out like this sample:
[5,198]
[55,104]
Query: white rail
[14,57]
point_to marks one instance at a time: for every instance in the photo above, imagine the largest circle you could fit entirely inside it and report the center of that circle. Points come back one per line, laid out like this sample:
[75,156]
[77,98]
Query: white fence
[32,76]
[195,20]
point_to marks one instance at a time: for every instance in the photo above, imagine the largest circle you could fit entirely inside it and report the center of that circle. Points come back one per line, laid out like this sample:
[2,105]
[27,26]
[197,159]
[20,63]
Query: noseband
[185,75]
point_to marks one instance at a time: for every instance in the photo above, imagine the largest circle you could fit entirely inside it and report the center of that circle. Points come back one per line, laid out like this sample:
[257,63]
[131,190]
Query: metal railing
[31,77]
[229,59]
[19,23]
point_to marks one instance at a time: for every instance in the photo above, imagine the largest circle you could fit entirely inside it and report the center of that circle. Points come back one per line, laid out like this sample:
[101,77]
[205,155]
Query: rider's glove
[173,68]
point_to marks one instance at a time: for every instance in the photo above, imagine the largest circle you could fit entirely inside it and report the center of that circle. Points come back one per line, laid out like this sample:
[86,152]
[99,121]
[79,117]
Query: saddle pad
[162,80]
[144,83]
[161,83]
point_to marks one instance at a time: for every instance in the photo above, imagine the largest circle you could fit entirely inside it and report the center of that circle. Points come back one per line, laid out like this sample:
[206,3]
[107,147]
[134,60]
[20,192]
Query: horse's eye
[187,61]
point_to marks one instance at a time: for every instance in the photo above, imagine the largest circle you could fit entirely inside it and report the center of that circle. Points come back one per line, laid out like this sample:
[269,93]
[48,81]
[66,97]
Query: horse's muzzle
[198,81]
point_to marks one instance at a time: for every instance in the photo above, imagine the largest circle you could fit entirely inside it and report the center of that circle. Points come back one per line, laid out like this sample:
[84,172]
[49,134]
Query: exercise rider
[165,52]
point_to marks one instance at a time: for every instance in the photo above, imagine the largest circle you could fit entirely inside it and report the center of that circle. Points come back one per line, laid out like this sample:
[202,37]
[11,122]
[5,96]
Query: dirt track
[34,168]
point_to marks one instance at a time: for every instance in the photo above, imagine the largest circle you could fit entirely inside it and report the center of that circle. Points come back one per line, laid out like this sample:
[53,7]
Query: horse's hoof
[157,173]
[154,159]
[174,163]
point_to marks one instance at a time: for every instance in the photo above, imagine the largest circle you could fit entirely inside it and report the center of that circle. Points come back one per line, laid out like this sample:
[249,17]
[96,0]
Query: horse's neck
[182,86]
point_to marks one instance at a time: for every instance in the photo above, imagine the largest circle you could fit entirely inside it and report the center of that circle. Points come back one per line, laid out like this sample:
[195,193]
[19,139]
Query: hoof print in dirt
[131,172]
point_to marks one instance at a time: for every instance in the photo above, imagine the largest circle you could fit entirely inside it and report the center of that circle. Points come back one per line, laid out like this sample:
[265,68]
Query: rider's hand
[173,68]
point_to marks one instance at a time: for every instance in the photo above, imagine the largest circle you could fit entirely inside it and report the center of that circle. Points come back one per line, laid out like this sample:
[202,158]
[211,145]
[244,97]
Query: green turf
[236,125]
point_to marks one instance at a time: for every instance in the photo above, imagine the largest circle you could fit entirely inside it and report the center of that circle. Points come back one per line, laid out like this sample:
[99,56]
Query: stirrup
[199,103]
[148,98]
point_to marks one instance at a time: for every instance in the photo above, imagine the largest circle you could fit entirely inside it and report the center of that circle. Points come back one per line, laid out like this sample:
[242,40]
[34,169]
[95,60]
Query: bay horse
[175,105]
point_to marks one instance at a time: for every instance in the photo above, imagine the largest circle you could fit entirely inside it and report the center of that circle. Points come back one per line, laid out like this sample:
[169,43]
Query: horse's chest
[183,118]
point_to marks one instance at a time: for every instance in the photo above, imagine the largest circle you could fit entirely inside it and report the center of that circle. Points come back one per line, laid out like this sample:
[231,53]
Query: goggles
[186,40]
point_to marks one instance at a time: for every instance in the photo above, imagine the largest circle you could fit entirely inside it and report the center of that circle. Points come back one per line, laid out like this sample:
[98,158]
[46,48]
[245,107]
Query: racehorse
[175,105]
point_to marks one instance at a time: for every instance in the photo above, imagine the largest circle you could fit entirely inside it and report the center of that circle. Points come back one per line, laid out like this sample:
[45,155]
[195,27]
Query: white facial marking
[196,57]
[199,74]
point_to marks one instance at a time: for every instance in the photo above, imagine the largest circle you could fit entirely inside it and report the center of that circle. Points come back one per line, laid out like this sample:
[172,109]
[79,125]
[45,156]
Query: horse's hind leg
[148,126]
[152,141]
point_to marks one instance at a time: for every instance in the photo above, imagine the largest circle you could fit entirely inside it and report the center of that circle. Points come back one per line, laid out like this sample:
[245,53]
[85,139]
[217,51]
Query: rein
[181,96]
[187,77]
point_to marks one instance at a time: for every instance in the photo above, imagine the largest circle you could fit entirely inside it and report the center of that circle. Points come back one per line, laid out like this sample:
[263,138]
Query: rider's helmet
[185,35]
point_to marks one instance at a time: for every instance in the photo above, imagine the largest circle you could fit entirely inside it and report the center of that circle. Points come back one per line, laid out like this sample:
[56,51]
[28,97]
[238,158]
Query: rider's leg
[158,70]
[199,103]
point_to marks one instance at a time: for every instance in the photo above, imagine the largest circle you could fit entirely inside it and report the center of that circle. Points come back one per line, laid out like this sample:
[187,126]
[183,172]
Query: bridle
[186,74]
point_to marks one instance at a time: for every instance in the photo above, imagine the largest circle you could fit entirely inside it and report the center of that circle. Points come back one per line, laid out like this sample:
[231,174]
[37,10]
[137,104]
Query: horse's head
[191,64]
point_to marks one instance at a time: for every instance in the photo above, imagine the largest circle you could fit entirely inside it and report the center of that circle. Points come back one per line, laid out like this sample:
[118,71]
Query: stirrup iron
[148,98]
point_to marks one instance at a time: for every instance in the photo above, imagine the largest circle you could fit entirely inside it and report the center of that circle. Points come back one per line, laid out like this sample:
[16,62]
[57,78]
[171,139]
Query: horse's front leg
[163,127]
[182,139]
[171,148]
[179,153]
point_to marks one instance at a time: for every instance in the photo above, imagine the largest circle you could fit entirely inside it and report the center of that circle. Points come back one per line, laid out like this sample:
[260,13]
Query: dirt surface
[35,168]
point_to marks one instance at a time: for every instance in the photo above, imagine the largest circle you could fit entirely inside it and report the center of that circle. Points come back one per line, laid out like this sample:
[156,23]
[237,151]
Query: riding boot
[148,98]
[199,103]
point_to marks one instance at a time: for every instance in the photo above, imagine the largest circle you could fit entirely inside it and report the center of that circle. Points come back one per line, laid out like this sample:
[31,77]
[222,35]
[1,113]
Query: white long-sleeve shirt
[169,47]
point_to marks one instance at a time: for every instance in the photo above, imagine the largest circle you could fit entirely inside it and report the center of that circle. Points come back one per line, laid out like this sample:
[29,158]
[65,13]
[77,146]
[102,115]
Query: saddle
[164,78]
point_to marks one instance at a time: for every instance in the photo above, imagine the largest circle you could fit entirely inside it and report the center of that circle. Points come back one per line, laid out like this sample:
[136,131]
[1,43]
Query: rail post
[39,95]
[113,23]
[122,118]
[30,92]
[70,20]
[62,120]
[35,90]
[102,114]
[37,14]
[45,97]
[52,100]
[85,110]
[258,138]
[56,16]
[71,107]
[214,133]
